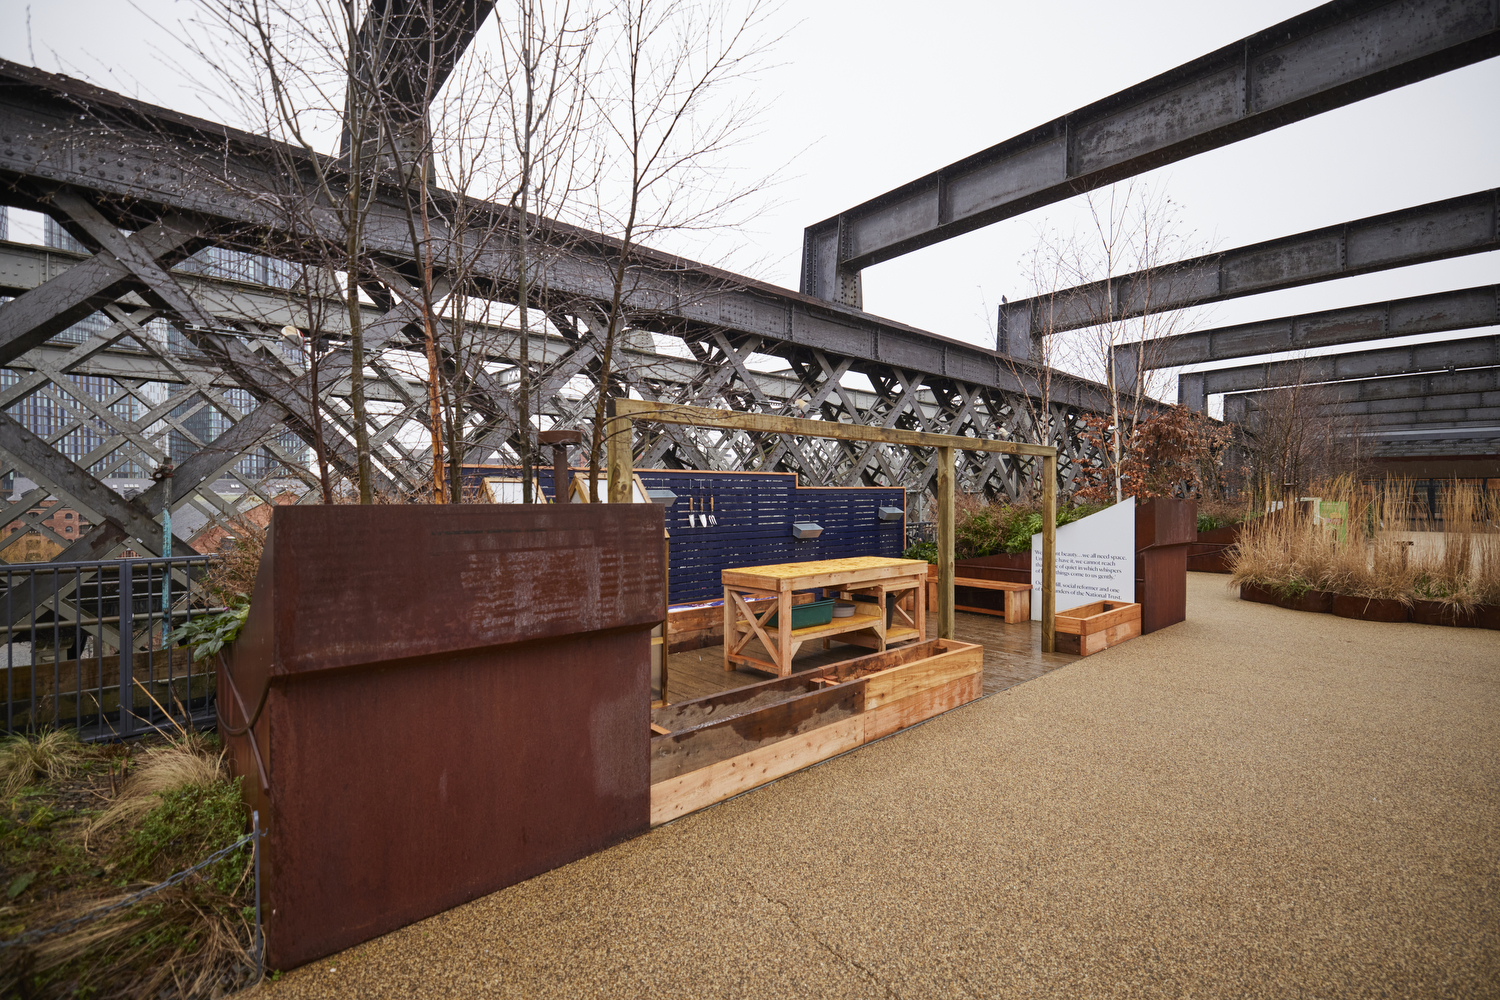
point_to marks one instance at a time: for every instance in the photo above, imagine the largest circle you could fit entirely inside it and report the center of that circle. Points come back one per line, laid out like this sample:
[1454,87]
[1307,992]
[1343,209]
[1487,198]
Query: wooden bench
[1017,597]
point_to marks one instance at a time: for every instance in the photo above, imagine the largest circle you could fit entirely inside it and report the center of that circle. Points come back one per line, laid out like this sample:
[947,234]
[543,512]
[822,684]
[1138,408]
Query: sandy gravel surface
[1254,803]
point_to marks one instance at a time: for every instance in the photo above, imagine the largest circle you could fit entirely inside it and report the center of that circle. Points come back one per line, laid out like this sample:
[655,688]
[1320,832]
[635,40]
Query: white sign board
[1095,560]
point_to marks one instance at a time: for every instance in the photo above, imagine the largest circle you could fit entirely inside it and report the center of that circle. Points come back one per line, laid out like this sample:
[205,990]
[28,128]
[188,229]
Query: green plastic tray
[808,615]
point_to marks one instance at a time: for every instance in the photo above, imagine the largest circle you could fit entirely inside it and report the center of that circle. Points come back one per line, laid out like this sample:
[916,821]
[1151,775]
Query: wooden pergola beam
[621,461]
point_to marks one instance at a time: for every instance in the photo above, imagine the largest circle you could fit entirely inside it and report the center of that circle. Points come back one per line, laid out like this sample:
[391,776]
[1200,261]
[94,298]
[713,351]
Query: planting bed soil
[709,749]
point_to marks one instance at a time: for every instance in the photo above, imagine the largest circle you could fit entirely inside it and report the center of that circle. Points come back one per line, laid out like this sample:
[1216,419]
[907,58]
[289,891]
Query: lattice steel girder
[1457,226]
[32,317]
[1194,389]
[1463,309]
[147,162]
[45,464]
[1404,390]
[24,267]
[1331,56]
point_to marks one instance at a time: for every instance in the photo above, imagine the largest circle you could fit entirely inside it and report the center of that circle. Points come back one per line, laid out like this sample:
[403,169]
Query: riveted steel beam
[1326,58]
[1416,409]
[1450,228]
[142,162]
[1476,386]
[1193,389]
[1462,309]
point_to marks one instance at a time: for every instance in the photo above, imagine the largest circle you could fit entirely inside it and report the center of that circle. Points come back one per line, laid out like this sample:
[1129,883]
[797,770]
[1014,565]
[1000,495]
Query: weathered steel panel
[458,700]
[1164,530]
[460,577]
[404,790]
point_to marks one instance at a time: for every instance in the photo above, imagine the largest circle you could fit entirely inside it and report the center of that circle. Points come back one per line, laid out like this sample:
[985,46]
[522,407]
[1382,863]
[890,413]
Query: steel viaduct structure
[143,189]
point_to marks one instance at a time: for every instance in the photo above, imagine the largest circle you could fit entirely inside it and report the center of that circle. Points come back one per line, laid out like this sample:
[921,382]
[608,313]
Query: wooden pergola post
[619,439]
[945,541]
[1049,553]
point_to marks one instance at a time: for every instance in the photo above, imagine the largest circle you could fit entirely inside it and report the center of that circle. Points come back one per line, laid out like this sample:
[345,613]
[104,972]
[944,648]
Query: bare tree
[1293,436]
[1122,271]
[544,52]
[1047,269]
[667,123]
[306,73]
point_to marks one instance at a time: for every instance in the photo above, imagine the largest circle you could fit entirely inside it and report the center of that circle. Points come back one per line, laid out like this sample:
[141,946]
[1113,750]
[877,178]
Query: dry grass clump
[188,761]
[52,755]
[177,944]
[1393,548]
[175,809]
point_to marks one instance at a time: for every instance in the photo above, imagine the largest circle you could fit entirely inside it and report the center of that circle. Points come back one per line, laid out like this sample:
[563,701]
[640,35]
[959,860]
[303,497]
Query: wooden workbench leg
[782,655]
[730,617]
[921,612]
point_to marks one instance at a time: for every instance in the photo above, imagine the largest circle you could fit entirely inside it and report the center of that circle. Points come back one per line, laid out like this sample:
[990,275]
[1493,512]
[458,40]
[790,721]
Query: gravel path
[1255,802]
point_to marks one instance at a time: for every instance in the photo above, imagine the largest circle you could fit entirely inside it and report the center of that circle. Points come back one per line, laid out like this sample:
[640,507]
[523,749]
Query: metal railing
[86,646]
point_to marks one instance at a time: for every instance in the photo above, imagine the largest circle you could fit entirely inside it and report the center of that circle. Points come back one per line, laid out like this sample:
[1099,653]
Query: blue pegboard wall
[755,513]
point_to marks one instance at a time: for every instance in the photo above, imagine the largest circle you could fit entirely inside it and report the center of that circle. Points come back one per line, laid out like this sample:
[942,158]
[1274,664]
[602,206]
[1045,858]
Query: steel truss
[143,190]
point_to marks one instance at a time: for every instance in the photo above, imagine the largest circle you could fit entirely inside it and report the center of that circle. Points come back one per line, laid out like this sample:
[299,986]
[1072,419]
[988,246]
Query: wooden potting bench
[865,576]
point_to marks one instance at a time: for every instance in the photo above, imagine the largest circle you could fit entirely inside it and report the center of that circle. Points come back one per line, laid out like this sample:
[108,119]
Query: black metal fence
[86,646]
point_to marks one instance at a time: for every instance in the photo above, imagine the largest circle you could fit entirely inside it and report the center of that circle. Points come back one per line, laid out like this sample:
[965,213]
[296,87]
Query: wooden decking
[1012,654]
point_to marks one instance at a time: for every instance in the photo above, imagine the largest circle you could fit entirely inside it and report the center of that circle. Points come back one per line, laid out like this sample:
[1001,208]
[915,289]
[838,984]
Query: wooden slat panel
[692,791]
[960,660]
[1090,618]
[918,707]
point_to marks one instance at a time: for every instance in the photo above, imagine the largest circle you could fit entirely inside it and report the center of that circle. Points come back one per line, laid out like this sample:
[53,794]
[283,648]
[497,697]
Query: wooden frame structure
[621,473]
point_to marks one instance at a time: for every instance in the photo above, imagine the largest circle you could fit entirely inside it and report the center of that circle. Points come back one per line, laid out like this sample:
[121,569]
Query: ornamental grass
[1393,546]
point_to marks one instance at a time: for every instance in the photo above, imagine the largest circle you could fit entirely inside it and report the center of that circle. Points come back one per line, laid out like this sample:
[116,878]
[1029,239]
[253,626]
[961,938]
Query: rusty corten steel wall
[1164,529]
[458,700]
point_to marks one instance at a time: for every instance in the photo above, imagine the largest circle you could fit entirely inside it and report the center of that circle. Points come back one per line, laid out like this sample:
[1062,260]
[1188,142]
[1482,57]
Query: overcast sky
[868,95]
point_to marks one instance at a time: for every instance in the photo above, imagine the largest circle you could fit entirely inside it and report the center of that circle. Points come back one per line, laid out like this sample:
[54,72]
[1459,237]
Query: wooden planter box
[709,749]
[1087,629]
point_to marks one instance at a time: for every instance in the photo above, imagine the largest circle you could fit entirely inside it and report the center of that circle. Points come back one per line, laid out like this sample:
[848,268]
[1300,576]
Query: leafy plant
[188,823]
[922,550]
[208,634]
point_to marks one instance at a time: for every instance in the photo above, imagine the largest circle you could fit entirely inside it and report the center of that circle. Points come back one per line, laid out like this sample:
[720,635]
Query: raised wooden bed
[709,749]
[1090,628]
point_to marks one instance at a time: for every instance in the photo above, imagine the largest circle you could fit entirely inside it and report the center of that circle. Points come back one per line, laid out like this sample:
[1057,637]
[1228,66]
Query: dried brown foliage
[1395,548]
[1171,452]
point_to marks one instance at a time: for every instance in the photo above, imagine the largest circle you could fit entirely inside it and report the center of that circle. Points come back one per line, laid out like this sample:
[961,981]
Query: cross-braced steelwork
[185,312]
